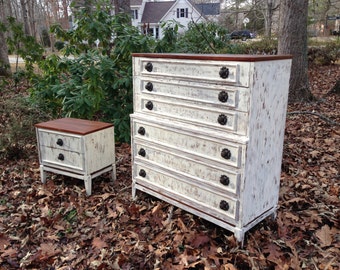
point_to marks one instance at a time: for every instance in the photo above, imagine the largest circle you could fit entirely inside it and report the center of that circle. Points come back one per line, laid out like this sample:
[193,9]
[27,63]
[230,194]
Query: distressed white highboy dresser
[77,148]
[207,133]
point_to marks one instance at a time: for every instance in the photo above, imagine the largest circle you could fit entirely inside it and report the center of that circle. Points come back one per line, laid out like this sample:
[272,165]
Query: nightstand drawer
[189,142]
[210,174]
[60,140]
[194,70]
[64,158]
[181,188]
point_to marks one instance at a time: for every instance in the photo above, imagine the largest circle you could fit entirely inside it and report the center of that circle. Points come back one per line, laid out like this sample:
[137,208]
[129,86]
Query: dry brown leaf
[324,235]
[99,243]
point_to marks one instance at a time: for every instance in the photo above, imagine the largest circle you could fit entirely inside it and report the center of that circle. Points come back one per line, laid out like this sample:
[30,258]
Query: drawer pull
[142,152]
[226,153]
[142,173]
[60,142]
[224,180]
[224,205]
[149,105]
[149,86]
[222,119]
[149,67]
[223,96]
[61,157]
[141,131]
[224,72]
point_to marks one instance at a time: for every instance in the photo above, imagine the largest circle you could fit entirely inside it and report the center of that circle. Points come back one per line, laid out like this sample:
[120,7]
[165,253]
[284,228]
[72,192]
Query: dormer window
[182,13]
[134,14]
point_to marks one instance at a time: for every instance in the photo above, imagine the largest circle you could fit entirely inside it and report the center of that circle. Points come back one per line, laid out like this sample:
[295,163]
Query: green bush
[326,53]
[59,45]
[90,82]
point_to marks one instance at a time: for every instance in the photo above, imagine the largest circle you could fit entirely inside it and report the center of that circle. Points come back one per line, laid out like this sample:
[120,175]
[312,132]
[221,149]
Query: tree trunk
[293,41]
[25,17]
[5,69]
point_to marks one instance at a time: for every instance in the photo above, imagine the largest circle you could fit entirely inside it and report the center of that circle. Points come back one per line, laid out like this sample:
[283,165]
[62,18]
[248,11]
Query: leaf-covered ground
[56,226]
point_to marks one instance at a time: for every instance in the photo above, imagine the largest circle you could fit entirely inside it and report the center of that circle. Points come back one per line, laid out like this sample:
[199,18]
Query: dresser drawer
[226,120]
[60,157]
[207,172]
[208,71]
[224,207]
[212,95]
[190,141]
[60,140]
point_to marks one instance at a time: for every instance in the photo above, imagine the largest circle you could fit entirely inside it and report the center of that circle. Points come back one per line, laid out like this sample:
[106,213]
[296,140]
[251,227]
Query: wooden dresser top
[73,125]
[215,57]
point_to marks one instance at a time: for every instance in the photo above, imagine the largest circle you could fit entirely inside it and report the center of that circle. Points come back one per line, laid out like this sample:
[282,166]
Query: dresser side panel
[269,96]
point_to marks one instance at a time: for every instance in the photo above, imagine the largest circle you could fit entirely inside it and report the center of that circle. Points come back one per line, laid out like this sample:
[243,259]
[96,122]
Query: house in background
[148,16]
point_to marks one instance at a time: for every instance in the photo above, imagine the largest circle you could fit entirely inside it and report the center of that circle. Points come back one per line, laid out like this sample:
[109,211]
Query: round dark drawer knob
[224,205]
[149,105]
[223,96]
[61,157]
[141,131]
[222,119]
[142,173]
[60,142]
[149,67]
[224,180]
[149,86]
[142,152]
[224,72]
[226,153]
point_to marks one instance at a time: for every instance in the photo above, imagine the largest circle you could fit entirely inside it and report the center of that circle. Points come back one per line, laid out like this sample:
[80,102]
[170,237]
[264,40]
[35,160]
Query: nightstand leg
[88,184]
[42,174]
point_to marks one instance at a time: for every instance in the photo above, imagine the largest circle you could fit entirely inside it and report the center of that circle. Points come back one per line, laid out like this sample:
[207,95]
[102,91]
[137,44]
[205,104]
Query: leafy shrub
[59,45]
[324,53]
[203,38]
[264,46]
[96,82]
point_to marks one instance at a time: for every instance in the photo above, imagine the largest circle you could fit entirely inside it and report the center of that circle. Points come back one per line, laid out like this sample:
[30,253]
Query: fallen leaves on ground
[56,226]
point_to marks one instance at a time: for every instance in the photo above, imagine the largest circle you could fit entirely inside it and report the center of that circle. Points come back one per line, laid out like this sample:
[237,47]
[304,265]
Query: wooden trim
[73,125]
[215,57]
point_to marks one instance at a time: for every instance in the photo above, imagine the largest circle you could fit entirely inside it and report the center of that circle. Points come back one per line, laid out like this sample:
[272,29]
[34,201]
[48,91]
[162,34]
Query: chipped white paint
[79,156]
[183,140]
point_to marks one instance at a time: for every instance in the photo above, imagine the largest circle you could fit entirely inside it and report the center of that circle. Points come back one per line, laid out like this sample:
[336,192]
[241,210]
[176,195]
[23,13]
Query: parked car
[242,34]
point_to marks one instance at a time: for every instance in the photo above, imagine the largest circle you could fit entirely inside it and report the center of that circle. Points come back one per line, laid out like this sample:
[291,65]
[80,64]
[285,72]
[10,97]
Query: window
[134,14]
[182,13]
[157,33]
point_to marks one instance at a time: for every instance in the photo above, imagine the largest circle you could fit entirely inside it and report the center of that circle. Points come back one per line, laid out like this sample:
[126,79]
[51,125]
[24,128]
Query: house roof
[136,2]
[209,8]
[155,11]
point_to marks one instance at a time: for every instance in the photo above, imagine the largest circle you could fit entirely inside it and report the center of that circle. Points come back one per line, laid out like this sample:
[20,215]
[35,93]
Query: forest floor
[56,226]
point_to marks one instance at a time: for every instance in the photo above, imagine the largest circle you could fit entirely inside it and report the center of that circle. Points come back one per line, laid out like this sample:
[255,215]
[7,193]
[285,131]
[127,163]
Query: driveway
[13,59]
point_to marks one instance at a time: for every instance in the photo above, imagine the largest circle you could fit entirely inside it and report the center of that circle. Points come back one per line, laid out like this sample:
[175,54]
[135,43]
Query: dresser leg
[42,174]
[113,174]
[133,191]
[88,184]
[239,235]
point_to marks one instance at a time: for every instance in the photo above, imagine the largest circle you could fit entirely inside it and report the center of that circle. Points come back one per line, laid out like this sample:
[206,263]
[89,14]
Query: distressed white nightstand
[77,148]
[207,133]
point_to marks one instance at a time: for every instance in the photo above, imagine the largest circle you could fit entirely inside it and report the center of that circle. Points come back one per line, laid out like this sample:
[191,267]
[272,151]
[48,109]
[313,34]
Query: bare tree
[5,69]
[270,7]
[293,40]
[24,11]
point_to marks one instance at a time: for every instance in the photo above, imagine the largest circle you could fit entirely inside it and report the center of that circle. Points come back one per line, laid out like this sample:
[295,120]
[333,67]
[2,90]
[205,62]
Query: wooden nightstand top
[73,125]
